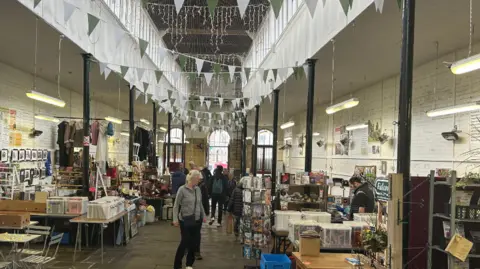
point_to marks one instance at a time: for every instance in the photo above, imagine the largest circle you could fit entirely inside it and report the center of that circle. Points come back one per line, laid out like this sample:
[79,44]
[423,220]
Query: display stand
[12,181]
[98,177]
[255,225]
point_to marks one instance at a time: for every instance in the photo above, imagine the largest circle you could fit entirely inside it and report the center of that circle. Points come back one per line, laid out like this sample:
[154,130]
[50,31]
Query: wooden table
[84,220]
[325,261]
[32,223]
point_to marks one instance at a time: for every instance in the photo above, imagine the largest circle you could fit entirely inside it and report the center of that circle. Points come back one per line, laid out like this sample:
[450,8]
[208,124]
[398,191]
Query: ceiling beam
[208,32]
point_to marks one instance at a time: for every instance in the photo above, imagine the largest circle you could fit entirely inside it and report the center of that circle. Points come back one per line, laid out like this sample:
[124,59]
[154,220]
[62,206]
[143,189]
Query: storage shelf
[473,256]
[443,216]
[445,183]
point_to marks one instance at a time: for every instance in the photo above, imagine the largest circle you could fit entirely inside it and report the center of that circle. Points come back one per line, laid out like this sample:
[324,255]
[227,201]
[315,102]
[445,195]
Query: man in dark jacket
[363,200]
[235,206]
[218,188]
[178,180]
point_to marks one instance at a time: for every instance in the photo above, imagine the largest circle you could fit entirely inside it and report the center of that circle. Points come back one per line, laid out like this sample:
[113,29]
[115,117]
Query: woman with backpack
[218,191]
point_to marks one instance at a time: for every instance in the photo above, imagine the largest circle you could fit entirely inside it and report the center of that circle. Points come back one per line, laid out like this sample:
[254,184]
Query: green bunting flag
[92,23]
[399,3]
[247,72]
[345,5]
[276,6]
[226,78]
[145,86]
[298,72]
[183,61]
[275,72]
[123,70]
[265,76]
[216,68]
[351,3]
[158,75]
[212,4]
[192,76]
[143,46]
[36,2]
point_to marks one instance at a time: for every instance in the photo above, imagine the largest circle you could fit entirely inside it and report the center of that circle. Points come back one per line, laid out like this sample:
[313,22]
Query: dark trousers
[236,224]
[188,242]
[199,239]
[217,199]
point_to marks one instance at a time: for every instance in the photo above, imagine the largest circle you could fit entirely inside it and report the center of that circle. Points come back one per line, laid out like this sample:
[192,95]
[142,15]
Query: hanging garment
[62,149]
[142,137]
[101,156]
[94,132]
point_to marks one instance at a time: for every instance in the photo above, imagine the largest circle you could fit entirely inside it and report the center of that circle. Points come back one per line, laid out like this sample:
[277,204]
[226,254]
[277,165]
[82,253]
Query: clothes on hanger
[94,131]
[63,157]
[143,137]
[101,156]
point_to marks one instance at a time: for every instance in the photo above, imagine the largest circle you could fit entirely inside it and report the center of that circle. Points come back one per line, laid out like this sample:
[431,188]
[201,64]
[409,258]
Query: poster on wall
[12,122]
[4,157]
[359,142]
[342,141]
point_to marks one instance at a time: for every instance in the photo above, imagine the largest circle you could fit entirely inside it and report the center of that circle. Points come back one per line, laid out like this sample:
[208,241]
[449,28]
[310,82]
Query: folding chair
[39,230]
[4,264]
[39,260]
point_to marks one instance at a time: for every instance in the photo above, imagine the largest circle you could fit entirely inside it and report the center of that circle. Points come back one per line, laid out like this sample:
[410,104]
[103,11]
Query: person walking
[188,214]
[232,184]
[178,180]
[235,206]
[206,208]
[218,189]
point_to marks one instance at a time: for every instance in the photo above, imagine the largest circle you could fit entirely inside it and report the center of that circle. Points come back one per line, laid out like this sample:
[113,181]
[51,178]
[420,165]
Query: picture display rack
[9,182]
[255,224]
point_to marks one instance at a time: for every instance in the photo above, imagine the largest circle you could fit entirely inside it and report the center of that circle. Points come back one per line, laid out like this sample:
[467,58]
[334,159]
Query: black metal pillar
[131,124]
[255,140]
[86,123]
[183,143]
[155,140]
[275,138]
[405,116]
[169,127]
[244,146]
[309,126]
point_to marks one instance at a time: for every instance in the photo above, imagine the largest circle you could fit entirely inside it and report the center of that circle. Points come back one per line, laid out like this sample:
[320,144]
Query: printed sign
[382,189]
[86,141]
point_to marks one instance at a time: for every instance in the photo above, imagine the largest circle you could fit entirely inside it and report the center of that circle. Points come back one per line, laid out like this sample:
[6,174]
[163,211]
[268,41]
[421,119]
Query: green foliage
[375,241]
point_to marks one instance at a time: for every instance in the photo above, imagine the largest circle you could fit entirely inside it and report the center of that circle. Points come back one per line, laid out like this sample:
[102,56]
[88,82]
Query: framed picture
[39,155]
[43,173]
[14,158]
[45,155]
[27,175]
[22,175]
[34,154]
[4,157]
[28,155]
[21,155]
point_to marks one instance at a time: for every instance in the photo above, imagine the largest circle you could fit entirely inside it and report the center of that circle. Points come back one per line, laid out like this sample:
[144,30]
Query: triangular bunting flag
[201,100]
[102,67]
[312,5]
[265,76]
[68,10]
[399,3]
[246,70]
[210,121]
[192,76]
[305,70]
[345,6]
[270,98]
[324,2]
[220,101]
[145,95]
[298,72]
[123,70]
[208,103]
[145,86]
[276,6]
[140,72]
[283,73]
[226,78]
[183,61]
[176,76]
[208,77]
[216,68]
[199,63]
[274,71]
[158,75]
[137,94]
[242,6]
[178,5]
[212,4]
[231,70]
[379,5]
[196,114]
[198,120]
[92,23]
[36,2]
[209,115]
[143,46]
[222,114]
[107,72]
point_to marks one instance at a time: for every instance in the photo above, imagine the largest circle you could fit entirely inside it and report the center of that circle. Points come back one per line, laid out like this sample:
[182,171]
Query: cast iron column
[275,138]
[169,127]
[244,146]
[86,123]
[310,103]
[405,116]
[155,141]
[183,143]
[131,124]
[254,148]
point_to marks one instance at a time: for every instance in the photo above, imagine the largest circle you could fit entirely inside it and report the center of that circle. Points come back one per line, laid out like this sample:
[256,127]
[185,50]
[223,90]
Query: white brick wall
[380,104]
[15,83]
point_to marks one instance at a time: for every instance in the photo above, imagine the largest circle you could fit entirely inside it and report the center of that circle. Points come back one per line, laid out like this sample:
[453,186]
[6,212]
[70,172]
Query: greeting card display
[4,157]
[28,155]
[14,155]
[21,155]
[34,155]
[39,155]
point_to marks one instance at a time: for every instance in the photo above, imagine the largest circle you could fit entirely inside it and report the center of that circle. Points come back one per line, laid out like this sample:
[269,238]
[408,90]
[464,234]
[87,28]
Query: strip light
[163,129]
[113,119]
[287,138]
[466,65]
[45,98]
[47,118]
[160,141]
[287,124]
[453,109]
[356,126]
[316,134]
[353,102]
[145,121]
[248,138]
[124,134]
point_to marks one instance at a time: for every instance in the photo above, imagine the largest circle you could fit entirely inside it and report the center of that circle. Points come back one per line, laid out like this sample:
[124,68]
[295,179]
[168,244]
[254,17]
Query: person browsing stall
[188,214]
[363,200]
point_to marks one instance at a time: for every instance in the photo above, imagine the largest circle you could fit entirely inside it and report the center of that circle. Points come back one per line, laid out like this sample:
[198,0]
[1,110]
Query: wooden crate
[23,206]
[14,219]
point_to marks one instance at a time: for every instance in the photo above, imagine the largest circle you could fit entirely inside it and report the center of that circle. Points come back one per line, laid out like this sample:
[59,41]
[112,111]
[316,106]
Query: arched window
[218,142]
[264,152]
[265,138]
[176,134]
[176,147]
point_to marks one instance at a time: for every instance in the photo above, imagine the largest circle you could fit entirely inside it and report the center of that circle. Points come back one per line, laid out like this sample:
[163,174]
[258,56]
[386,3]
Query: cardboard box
[14,219]
[310,246]
[23,206]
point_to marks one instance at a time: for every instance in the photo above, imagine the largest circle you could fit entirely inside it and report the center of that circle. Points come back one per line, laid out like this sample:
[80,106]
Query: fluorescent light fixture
[248,138]
[466,65]
[356,126]
[186,142]
[113,119]
[145,121]
[160,141]
[163,129]
[454,109]
[287,138]
[45,98]
[125,134]
[47,118]
[287,124]
[352,102]
[316,134]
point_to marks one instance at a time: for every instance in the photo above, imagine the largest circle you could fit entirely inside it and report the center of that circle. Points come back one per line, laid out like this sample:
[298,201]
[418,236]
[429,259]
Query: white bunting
[234,103]
[201,100]
[270,97]
[146,97]
[209,115]
[118,34]
[379,5]
[242,6]
[231,70]
[178,5]
[198,120]
[160,109]
[176,76]
[68,10]
[324,2]
[283,73]
[220,101]
[305,69]
[137,94]
[222,114]
[107,72]
[237,102]
[208,103]
[199,63]
[196,114]
[102,67]
[208,77]
[312,5]
[209,121]
[140,72]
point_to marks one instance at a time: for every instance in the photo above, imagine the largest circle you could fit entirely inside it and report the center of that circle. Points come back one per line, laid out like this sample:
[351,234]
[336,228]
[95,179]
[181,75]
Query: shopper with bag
[235,206]
[218,190]
[188,214]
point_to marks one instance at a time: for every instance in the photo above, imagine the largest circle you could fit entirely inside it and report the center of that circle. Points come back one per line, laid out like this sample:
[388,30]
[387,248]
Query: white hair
[192,174]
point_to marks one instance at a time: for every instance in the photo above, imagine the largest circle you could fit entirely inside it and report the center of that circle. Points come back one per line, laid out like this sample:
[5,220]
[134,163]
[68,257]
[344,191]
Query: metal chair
[40,260]
[38,230]
[4,264]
